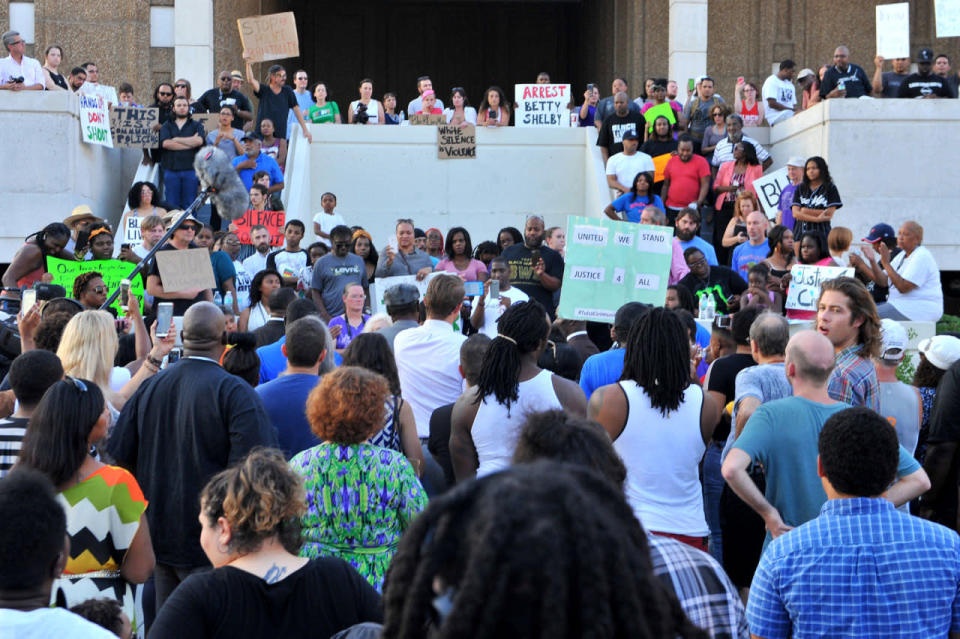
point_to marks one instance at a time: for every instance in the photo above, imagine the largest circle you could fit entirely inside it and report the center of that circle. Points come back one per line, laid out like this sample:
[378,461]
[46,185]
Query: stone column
[193,44]
[688,41]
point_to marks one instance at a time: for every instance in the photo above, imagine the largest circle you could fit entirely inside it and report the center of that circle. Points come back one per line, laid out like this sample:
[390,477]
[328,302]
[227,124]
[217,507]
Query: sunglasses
[165,93]
[78,384]
[179,86]
[99,290]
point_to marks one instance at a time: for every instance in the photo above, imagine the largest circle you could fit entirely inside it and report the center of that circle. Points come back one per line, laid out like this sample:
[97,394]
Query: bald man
[783,434]
[187,423]
[913,277]
[844,79]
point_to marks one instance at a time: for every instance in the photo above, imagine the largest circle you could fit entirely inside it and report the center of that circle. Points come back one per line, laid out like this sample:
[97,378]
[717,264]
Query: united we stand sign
[95,120]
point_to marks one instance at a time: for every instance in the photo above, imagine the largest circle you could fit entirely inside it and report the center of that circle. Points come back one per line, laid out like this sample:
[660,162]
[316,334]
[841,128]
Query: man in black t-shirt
[215,99]
[180,139]
[535,268]
[924,83]
[615,125]
[724,284]
[182,300]
[844,79]
[276,100]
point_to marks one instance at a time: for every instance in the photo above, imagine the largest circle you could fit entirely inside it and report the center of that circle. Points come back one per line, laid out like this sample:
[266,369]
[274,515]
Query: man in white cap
[785,205]
[805,80]
[899,403]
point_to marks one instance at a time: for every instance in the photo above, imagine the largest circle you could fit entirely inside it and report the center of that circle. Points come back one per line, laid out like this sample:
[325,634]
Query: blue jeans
[180,188]
[712,489]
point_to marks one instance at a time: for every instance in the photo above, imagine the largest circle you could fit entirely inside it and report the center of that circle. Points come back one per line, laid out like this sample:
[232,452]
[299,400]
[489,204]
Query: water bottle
[711,307]
[228,299]
[216,298]
[704,306]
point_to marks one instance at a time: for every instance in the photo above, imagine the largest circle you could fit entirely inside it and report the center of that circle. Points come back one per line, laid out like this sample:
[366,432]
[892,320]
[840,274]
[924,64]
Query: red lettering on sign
[273,220]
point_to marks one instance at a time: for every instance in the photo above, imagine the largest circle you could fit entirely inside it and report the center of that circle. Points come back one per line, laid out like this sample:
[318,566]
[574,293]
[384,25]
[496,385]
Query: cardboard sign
[129,230]
[185,270]
[65,271]
[610,263]
[542,105]
[430,119]
[660,165]
[273,220]
[270,37]
[94,120]
[805,280]
[381,284]
[210,122]
[948,18]
[132,127]
[768,190]
[456,143]
[893,30]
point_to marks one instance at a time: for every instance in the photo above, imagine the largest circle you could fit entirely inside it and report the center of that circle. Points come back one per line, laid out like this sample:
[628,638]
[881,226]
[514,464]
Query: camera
[361,116]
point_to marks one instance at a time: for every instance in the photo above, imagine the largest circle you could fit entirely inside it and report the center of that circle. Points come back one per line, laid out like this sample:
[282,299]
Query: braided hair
[658,358]
[521,330]
[543,549]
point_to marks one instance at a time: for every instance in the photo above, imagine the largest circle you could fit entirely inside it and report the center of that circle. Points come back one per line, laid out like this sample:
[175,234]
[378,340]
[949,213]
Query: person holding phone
[494,110]
[499,296]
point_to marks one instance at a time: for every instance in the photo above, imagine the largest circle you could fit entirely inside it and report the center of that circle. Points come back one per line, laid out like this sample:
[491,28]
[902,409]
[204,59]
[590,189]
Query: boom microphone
[217,173]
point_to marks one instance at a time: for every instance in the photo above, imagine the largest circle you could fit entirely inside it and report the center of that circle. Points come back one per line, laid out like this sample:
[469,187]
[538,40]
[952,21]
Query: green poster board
[65,271]
[610,263]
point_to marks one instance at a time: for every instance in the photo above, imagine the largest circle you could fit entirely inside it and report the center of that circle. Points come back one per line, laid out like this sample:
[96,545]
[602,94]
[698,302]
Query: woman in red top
[30,262]
[745,103]
[428,100]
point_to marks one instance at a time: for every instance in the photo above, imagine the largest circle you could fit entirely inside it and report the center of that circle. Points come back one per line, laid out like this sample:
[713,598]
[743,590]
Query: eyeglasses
[699,262]
[78,384]
[225,78]
[180,86]
[168,93]
[99,290]
[342,244]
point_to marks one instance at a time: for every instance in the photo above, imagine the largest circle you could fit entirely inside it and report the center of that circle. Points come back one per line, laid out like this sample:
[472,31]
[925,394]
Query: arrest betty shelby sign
[542,105]
[610,263]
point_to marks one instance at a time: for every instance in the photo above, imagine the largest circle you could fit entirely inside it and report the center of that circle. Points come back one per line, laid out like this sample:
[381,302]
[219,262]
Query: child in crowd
[757,292]
[106,613]
[229,319]
[326,219]
[291,259]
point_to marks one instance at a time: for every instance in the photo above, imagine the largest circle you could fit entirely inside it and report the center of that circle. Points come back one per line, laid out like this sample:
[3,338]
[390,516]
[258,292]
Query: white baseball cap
[894,338]
[941,351]
[796,161]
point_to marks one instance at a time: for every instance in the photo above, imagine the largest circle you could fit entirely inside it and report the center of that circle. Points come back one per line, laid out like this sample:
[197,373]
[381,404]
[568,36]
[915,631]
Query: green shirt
[326,113]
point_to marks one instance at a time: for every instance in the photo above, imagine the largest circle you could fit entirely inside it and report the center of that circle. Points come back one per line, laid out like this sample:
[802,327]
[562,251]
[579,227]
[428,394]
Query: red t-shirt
[684,180]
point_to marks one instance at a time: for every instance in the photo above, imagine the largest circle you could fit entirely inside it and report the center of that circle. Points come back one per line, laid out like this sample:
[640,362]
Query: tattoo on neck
[275,574]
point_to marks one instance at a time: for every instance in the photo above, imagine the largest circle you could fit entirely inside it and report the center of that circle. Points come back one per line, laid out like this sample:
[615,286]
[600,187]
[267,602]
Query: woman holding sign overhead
[494,110]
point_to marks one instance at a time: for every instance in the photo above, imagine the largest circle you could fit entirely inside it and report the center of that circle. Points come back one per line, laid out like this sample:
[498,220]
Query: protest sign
[456,143]
[273,220]
[893,30]
[379,286]
[542,105]
[185,270]
[768,190]
[210,122]
[129,230]
[270,37]
[660,164]
[94,120]
[948,18]
[132,127]
[610,263]
[65,271]
[805,280]
[430,119]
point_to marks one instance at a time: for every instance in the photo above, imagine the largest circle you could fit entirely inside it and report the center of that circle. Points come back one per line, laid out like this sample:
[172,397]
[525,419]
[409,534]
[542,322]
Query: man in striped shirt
[31,374]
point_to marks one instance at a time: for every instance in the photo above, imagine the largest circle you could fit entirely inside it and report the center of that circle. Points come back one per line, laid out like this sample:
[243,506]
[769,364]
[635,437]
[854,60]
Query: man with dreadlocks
[483,431]
[477,564]
[660,425]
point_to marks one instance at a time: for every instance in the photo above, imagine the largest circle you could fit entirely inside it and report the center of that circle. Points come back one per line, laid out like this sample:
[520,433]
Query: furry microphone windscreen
[214,170]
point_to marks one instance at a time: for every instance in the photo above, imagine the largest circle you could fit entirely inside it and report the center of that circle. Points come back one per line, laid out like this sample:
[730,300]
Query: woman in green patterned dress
[360,497]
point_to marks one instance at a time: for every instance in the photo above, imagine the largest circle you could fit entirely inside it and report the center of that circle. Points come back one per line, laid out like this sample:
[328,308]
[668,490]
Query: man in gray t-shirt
[334,271]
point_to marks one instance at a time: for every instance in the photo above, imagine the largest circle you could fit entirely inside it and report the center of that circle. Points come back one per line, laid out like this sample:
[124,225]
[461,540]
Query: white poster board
[948,18]
[94,120]
[893,30]
[768,190]
[805,280]
[542,105]
[129,230]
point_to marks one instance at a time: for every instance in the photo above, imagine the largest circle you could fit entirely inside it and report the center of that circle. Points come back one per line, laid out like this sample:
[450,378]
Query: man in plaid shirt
[862,568]
[847,315]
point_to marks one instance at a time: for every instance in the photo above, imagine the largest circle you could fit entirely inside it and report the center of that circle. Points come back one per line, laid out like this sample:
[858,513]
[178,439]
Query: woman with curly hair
[257,312]
[541,549]
[360,497]
[90,290]
[494,109]
[144,199]
[259,587]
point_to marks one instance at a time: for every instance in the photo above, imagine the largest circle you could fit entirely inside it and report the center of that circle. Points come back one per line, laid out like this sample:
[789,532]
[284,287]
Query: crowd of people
[285,455]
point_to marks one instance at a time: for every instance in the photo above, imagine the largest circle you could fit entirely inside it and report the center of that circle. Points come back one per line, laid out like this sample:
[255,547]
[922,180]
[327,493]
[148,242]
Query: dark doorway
[467,44]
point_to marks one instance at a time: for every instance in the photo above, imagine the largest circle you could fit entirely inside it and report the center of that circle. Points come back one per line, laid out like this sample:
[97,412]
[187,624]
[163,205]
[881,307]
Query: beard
[685,236]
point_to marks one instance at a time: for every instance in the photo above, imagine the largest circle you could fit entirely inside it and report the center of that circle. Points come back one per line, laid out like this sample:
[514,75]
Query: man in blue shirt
[253,161]
[688,227]
[861,568]
[285,398]
[605,368]
[755,249]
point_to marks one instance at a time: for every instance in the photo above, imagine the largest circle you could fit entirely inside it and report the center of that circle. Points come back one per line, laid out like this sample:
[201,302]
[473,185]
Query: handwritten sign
[273,220]
[210,121]
[132,127]
[542,105]
[660,165]
[429,119]
[948,18]
[610,263]
[893,30]
[185,270]
[805,280]
[768,190]
[129,230]
[270,37]
[66,271]
[456,143]
[94,120]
